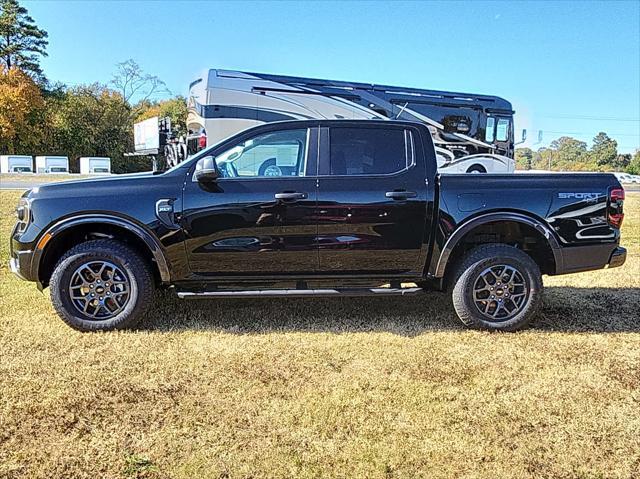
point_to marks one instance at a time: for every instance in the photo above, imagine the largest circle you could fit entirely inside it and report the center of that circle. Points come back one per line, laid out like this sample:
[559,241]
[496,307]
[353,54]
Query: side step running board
[299,293]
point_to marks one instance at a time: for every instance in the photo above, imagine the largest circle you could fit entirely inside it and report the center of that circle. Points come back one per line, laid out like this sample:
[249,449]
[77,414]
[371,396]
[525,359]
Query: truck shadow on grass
[564,309]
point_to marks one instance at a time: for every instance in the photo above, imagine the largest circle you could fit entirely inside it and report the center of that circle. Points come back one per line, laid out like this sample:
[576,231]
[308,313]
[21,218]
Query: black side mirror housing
[206,170]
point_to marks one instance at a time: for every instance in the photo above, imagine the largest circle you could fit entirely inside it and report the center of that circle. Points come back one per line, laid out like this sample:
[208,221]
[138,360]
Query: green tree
[543,159]
[524,158]
[634,165]
[568,152]
[174,108]
[21,41]
[91,120]
[604,151]
[622,161]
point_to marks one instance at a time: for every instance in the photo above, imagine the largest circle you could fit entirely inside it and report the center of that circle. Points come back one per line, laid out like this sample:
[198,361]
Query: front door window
[281,153]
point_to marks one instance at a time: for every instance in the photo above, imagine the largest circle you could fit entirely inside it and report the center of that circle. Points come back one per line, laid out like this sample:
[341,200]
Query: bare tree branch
[130,80]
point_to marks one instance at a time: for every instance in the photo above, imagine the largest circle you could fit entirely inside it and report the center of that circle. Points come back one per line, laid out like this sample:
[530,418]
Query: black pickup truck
[314,208]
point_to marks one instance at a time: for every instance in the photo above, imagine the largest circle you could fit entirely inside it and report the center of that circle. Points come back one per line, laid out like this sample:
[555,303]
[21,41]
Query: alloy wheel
[500,292]
[99,290]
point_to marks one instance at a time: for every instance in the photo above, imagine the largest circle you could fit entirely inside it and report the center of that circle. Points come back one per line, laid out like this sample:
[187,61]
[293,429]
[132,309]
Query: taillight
[202,141]
[616,201]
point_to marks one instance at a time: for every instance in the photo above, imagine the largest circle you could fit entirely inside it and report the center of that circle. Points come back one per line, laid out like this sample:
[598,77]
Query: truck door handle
[290,195]
[400,195]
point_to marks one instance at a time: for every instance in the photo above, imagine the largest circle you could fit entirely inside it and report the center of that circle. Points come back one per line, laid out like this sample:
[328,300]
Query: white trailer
[92,165]
[16,164]
[52,164]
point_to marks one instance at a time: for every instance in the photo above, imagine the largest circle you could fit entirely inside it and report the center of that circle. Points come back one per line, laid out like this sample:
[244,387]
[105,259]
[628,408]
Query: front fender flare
[462,230]
[148,239]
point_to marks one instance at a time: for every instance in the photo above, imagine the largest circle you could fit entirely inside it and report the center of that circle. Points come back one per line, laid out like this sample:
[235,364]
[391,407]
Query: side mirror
[524,135]
[206,170]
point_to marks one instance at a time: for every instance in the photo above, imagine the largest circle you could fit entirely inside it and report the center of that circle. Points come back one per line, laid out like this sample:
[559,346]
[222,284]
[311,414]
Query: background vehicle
[16,164]
[306,208]
[624,177]
[473,133]
[52,164]
[90,165]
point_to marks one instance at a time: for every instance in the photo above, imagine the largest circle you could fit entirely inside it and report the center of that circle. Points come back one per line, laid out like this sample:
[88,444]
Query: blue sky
[568,67]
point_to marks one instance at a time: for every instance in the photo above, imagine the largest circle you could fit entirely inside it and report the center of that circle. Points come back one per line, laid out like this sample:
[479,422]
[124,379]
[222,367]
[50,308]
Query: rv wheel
[476,169]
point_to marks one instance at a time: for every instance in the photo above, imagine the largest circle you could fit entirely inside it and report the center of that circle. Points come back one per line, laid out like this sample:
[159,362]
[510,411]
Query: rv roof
[488,101]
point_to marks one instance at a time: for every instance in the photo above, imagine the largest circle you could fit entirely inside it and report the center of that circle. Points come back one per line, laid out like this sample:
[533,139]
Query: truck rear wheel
[101,285]
[496,287]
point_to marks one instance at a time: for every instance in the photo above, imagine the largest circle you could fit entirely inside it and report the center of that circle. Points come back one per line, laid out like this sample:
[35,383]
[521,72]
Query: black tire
[504,307]
[266,164]
[477,169]
[126,263]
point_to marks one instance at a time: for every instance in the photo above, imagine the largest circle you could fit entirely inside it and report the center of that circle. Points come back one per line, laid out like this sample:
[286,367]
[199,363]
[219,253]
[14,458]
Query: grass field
[386,388]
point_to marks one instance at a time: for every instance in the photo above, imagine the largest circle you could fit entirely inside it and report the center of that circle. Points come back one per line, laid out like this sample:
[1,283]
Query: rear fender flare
[492,218]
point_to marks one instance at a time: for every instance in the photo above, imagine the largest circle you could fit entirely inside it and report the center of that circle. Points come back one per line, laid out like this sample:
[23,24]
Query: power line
[585,117]
[582,133]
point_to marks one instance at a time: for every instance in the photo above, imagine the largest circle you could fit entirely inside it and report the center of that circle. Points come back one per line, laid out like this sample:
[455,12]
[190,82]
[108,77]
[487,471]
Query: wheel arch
[502,220]
[479,167]
[64,234]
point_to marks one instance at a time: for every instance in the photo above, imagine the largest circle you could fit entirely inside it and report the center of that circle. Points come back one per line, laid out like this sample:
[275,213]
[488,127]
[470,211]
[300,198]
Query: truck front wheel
[496,287]
[101,285]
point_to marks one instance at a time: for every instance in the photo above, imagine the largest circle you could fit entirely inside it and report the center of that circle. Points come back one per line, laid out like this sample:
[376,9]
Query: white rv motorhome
[472,133]
[16,164]
[52,164]
[91,165]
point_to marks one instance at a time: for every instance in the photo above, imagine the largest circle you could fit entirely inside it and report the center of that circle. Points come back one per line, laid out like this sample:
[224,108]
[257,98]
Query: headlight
[23,213]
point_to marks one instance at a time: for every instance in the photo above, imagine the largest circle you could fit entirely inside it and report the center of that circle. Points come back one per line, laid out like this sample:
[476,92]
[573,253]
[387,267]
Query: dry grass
[326,387]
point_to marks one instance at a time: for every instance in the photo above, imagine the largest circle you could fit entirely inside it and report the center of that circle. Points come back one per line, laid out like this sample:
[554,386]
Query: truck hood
[90,186]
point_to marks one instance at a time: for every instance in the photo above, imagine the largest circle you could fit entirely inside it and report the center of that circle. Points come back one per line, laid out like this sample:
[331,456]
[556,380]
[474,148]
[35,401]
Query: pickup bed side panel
[573,207]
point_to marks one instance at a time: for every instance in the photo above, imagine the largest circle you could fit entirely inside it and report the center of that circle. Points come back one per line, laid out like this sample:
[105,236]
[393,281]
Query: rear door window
[368,151]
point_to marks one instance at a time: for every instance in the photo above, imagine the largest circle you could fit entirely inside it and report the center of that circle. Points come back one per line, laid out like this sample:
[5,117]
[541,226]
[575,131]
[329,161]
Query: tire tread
[462,279]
